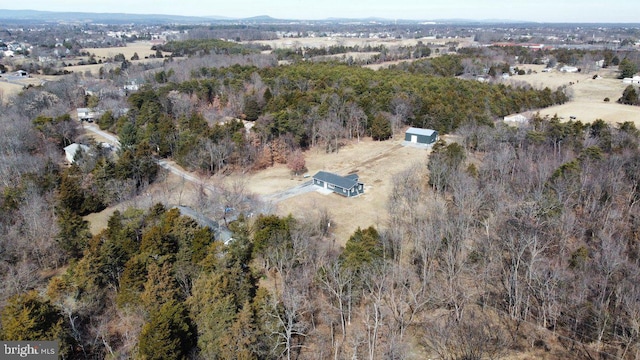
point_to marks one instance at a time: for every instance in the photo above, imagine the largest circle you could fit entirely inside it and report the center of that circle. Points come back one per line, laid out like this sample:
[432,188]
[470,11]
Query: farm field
[319,42]
[8,90]
[143,48]
[588,94]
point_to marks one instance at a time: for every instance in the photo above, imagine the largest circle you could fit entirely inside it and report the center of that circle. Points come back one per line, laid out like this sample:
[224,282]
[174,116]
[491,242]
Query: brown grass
[375,162]
[588,95]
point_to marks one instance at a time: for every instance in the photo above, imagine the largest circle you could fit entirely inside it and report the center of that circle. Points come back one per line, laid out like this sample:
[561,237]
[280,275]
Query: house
[633,80]
[71,151]
[420,136]
[132,86]
[569,69]
[348,186]
[87,114]
[517,118]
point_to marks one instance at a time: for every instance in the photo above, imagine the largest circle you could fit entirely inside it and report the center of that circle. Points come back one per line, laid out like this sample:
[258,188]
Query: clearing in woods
[377,162]
[588,94]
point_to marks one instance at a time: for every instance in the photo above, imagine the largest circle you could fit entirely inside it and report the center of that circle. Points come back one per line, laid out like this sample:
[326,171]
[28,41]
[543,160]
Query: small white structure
[569,69]
[516,118]
[71,151]
[87,114]
[633,80]
[132,86]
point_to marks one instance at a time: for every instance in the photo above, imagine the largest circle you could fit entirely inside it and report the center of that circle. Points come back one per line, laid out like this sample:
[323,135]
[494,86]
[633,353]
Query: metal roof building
[348,186]
[420,136]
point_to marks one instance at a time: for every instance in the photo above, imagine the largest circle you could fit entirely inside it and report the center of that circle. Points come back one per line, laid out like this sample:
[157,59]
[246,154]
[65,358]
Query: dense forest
[510,240]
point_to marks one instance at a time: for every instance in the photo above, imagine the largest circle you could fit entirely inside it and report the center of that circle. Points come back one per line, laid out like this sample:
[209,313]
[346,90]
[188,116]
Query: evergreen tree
[627,68]
[168,335]
[28,317]
[363,248]
[380,128]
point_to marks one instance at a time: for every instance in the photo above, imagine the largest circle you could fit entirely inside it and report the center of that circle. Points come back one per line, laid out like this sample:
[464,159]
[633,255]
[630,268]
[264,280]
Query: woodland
[510,240]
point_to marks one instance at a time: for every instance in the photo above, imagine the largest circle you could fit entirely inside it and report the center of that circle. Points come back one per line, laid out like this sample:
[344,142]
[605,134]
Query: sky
[591,11]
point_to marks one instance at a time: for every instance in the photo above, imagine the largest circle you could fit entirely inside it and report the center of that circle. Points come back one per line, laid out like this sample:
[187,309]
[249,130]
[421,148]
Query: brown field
[588,95]
[375,162]
[319,42]
[143,48]
[8,90]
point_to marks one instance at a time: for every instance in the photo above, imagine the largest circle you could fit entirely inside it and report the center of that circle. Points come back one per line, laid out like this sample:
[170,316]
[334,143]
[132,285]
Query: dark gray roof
[345,182]
[353,176]
[418,131]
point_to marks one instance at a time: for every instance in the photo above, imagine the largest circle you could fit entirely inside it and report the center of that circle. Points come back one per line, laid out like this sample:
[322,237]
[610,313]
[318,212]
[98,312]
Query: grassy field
[319,42]
[375,162]
[588,94]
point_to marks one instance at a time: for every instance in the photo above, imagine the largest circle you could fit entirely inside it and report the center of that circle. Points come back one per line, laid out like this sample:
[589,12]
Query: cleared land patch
[375,162]
[588,94]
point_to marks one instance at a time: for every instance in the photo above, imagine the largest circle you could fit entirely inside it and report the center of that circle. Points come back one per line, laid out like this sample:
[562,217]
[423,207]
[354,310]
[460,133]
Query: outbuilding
[348,185]
[516,118]
[421,136]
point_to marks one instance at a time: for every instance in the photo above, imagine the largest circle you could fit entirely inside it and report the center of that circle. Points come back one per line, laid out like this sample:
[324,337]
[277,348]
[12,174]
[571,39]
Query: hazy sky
[530,10]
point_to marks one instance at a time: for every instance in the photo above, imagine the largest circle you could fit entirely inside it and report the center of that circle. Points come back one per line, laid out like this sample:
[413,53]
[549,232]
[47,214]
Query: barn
[421,136]
[348,185]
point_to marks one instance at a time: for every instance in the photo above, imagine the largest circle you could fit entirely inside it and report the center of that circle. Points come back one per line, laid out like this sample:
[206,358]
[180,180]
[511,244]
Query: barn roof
[418,131]
[345,182]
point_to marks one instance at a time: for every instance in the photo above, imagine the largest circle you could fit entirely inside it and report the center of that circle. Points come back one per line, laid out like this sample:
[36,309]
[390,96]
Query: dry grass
[8,90]
[320,42]
[588,95]
[375,162]
[143,48]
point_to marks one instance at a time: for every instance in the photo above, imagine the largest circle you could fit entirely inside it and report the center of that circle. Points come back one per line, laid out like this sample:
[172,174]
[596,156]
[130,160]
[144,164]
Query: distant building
[348,186]
[420,136]
[87,114]
[132,86]
[569,69]
[633,80]
[72,150]
[517,118]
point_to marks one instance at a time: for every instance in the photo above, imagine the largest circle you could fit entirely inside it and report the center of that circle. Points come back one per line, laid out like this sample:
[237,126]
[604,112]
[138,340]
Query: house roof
[71,150]
[516,118]
[345,182]
[418,131]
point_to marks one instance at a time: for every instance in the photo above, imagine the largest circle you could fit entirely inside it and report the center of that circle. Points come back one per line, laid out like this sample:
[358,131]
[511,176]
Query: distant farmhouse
[569,69]
[87,114]
[72,150]
[348,186]
[633,80]
[420,136]
[516,118]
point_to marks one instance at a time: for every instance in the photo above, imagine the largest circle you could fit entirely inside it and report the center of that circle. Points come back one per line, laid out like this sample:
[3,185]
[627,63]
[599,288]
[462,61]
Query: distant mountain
[53,16]
[119,18]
